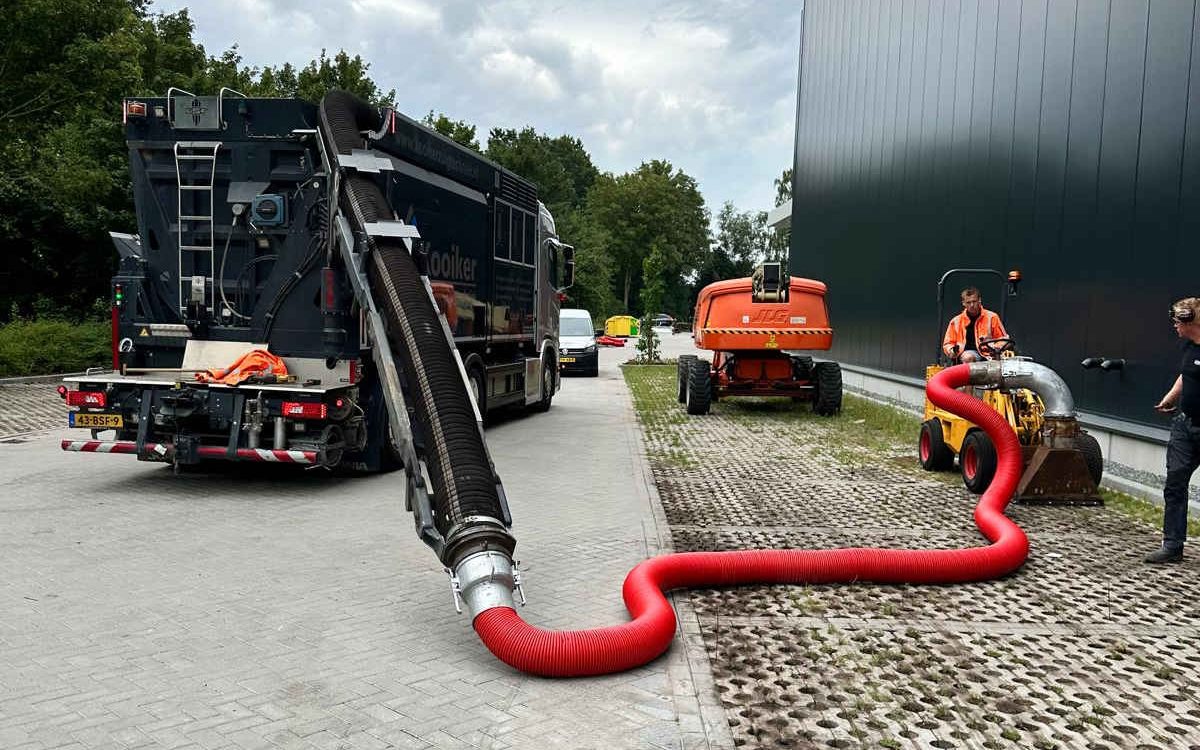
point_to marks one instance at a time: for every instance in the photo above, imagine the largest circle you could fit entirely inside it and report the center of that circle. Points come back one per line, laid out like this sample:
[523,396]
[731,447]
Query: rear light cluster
[93,399]
[304,410]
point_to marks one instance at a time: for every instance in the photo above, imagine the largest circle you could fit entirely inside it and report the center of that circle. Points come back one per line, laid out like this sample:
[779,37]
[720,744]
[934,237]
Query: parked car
[577,343]
[663,324]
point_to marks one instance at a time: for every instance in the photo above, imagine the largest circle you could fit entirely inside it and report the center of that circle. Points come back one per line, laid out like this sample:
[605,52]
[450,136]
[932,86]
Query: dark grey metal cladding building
[1058,137]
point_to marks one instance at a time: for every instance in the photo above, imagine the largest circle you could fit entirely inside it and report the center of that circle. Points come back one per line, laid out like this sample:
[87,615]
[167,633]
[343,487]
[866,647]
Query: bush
[43,347]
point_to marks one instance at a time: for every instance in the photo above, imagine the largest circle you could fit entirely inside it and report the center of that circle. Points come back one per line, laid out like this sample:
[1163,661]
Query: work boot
[1165,555]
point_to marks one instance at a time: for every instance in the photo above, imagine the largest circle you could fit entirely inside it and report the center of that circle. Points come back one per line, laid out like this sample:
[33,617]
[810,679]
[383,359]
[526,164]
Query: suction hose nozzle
[620,647]
[1020,373]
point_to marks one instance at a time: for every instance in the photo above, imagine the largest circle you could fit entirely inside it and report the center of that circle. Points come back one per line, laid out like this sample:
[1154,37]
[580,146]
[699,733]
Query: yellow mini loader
[1063,463]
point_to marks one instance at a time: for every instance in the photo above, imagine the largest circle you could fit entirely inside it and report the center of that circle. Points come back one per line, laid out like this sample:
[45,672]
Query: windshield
[575,327]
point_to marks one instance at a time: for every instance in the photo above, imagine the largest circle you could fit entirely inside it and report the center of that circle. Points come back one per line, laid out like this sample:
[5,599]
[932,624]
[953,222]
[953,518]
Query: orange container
[727,318]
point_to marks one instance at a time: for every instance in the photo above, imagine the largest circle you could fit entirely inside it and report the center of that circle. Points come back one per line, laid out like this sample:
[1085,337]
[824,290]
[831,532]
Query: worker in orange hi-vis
[257,363]
[969,331]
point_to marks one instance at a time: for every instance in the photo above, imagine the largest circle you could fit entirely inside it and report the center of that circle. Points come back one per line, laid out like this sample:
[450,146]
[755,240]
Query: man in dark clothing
[1183,448]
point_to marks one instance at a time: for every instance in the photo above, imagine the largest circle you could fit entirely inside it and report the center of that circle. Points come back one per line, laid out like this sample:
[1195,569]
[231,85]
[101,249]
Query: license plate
[95,421]
[566,360]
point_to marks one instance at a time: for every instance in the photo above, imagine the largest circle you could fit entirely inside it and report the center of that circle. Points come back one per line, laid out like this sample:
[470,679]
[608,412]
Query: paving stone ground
[1084,647]
[241,609]
[30,407]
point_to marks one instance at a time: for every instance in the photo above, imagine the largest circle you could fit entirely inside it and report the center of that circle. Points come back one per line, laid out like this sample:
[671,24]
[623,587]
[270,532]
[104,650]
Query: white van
[577,343]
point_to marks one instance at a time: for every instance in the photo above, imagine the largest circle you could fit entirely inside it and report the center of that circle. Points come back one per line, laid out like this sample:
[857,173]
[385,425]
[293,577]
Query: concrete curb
[53,378]
[694,691]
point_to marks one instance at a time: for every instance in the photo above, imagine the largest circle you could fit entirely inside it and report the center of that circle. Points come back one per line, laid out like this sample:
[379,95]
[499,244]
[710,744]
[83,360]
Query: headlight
[590,350]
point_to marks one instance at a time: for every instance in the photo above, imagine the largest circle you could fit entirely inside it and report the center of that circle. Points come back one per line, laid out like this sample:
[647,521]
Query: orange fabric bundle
[254,363]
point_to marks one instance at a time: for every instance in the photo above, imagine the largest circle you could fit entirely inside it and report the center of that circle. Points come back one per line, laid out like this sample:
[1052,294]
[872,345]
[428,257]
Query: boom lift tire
[977,461]
[681,375]
[699,386]
[828,378]
[935,455]
[1090,448]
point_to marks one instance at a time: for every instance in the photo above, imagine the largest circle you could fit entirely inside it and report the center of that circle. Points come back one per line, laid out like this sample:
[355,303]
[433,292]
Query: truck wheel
[547,386]
[681,375]
[977,461]
[828,378]
[1090,448]
[699,387]
[477,379]
[935,455]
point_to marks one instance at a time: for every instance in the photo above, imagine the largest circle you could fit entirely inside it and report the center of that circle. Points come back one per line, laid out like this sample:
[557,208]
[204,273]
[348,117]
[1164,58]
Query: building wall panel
[1060,137]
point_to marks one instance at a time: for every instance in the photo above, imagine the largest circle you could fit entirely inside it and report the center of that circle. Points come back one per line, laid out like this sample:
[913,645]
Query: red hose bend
[620,647]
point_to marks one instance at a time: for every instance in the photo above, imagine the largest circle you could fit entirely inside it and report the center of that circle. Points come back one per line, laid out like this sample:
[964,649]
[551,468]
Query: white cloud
[521,73]
[408,13]
[707,85]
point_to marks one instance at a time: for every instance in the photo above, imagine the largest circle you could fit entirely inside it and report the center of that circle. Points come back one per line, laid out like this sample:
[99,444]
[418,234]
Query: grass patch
[41,347]
[1142,510]
[866,432]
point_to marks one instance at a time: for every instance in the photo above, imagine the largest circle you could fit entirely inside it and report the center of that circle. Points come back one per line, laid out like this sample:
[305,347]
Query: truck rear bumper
[164,452]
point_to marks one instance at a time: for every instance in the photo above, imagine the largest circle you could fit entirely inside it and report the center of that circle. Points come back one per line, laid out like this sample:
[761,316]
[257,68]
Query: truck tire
[681,375]
[1090,448]
[977,461]
[477,380]
[547,387]
[699,387]
[827,376]
[932,450]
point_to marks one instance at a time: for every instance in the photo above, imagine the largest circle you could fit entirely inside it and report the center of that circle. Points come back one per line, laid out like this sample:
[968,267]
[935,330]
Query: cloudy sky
[709,85]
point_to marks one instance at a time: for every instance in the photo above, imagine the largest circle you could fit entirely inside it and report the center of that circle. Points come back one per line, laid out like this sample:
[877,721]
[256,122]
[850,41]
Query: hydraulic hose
[621,647]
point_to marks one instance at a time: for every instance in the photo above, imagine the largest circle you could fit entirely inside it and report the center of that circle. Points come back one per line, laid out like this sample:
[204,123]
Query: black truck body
[240,246]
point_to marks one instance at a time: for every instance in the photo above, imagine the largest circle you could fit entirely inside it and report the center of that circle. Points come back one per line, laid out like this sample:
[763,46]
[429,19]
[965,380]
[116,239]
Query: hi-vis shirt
[987,325]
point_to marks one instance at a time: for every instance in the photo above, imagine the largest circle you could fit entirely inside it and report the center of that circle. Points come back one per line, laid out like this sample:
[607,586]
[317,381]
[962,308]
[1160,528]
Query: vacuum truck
[242,310]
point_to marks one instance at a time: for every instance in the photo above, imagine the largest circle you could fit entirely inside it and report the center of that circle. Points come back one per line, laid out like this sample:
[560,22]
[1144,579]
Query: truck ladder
[196,181]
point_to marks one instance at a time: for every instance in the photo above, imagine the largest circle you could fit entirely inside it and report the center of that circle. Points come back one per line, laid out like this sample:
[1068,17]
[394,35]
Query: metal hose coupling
[485,580]
[1022,373]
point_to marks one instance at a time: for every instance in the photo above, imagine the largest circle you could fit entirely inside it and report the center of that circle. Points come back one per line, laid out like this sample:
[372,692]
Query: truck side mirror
[568,267]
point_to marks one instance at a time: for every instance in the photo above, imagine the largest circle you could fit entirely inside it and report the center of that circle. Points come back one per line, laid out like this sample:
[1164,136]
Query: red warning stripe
[206,451]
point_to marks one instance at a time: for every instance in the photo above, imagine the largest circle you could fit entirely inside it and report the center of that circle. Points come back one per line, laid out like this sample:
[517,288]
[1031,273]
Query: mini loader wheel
[828,378]
[681,374]
[699,386]
[1092,456]
[932,450]
[977,461]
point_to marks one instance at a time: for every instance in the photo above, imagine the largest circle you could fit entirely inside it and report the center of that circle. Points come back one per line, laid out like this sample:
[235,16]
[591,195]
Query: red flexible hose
[620,647]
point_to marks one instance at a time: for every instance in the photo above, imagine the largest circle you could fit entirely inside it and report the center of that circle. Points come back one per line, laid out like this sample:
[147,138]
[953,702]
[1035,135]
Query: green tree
[743,241]
[65,66]
[456,130]
[63,181]
[654,227]
[783,187]
[563,171]
[343,72]
[560,167]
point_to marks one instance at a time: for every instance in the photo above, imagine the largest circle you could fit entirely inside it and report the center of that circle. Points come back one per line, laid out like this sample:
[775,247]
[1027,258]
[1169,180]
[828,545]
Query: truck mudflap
[164,452]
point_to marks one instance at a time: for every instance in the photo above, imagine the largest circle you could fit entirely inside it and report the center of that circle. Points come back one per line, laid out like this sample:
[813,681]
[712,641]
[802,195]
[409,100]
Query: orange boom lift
[756,328]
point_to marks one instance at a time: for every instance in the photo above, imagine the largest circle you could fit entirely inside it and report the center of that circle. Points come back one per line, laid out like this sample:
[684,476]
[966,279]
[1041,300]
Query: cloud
[707,85]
